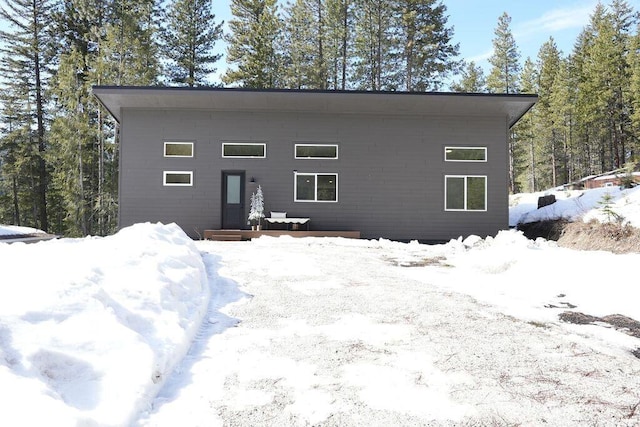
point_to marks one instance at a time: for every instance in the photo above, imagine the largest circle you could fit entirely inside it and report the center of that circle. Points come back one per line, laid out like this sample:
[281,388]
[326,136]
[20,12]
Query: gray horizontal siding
[391,170]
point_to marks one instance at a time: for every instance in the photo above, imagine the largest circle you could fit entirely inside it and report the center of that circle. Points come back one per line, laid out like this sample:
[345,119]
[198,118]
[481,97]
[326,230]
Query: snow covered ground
[12,230]
[576,205]
[148,328]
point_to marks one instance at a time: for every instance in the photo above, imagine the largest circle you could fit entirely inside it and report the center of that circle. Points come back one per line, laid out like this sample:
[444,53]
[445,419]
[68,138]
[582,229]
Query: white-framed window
[316,151]
[465,154]
[178,149]
[465,193]
[177,178]
[244,150]
[315,187]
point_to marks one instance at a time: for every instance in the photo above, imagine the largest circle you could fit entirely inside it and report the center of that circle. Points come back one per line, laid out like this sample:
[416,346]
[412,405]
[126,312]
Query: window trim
[178,143]
[315,174]
[263,144]
[466,147]
[164,179]
[465,209]
[313,144]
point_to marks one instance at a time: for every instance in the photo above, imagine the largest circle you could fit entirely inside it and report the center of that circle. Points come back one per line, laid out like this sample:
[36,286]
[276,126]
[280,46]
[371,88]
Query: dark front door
[232,200]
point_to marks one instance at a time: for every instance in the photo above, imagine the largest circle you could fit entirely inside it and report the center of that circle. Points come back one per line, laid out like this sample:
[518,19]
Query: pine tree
[472,80]
[189,38]
[505,59]
[562,100]
[256,212]
[253,45]
[25,60]
[522,147]
[306,36]
[374,58]
[339,37]
[426,50]
[549,143]
[17,162]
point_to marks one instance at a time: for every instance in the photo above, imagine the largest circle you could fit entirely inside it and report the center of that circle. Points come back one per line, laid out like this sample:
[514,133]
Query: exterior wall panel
[391,170]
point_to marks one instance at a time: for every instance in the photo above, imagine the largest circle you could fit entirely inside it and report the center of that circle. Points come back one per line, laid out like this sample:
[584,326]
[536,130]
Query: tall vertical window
[465,154]
[316,187]
[178,149]
[465,193]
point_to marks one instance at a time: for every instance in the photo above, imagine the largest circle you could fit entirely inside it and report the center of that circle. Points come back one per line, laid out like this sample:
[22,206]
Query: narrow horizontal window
[244,150]
[178,178]
[316,151]
[465,193]
[465,154]
[316,187]
[178,149]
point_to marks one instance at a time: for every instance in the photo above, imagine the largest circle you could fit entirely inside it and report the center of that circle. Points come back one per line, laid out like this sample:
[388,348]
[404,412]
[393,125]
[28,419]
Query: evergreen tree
[426,51]
[549,143]
[339,37]
[24,65]
[472,80]
[374,56]
[18,164]
[189,38]
[505,59]
[306,36]
[253,44]
[562,100]
[522,147]
[602,61]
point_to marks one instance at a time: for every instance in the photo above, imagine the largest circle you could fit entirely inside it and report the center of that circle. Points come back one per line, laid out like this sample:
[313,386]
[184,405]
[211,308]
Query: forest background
[59,148]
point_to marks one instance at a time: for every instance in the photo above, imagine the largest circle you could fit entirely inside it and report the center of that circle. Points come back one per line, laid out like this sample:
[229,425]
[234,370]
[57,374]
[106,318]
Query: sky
[532,23]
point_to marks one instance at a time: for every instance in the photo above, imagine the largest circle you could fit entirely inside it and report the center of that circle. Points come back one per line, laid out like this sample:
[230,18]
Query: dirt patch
[616,238]
[621,323]
[591,236]
[550,230]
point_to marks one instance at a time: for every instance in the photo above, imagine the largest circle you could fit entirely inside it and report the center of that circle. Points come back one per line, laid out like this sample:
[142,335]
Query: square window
[316,187]
[465,193]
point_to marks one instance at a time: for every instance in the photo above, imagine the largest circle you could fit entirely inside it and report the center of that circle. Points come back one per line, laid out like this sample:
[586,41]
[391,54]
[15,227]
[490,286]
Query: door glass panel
[233,189]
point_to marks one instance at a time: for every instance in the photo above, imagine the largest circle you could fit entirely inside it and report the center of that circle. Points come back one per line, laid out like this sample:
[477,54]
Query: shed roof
[511,106]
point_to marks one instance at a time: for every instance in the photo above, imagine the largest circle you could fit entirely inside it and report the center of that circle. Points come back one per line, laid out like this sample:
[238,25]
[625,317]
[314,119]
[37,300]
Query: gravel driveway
[331,333]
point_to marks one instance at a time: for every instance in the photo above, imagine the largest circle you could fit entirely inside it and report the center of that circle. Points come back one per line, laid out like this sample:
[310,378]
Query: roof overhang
[511,106]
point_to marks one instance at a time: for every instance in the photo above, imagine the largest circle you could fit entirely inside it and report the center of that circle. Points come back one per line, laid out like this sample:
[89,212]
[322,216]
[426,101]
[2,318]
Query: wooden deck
[237,235]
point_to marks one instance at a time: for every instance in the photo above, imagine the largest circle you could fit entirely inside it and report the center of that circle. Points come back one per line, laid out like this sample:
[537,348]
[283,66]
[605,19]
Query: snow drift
[80,318]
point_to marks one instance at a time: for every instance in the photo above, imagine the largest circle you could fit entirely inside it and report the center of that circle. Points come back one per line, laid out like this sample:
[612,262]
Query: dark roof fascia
[104,89]
[324,91]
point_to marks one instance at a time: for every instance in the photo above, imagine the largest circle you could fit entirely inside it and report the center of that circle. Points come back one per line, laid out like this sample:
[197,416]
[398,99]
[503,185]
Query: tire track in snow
[223,291]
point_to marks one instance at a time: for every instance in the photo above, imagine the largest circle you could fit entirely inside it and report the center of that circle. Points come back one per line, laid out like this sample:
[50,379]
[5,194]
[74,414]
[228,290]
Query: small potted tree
[256,213]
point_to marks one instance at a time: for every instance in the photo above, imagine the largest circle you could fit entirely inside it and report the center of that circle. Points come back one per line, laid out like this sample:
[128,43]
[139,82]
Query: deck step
[225,237]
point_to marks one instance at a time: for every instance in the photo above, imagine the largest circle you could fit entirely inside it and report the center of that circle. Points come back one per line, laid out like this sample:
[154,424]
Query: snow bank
[11,230]
[574,205]
[90,328]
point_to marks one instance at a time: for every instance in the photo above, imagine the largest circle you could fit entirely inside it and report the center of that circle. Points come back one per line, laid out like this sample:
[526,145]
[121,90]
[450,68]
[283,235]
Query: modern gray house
[425,166]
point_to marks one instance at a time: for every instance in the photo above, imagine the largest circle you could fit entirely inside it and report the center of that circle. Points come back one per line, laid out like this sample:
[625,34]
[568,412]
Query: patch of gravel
[496,369]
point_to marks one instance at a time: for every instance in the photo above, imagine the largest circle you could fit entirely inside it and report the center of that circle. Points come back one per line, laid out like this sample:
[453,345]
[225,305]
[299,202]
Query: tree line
[587,119]
[58,147]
